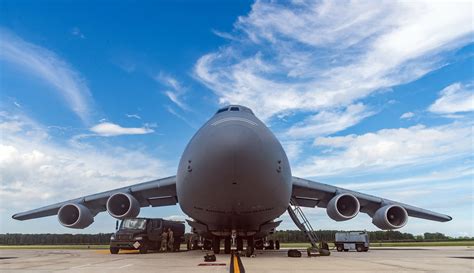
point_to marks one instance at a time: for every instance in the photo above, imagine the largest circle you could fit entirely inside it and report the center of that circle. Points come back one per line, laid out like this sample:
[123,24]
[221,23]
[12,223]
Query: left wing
[126,202]
[343,204]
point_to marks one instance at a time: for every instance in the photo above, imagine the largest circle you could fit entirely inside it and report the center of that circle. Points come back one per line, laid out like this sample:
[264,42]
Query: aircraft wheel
[240,244]
[259,245]
[227,245]
[250,247]
[271,245]
[114,250]
[207,245]
[195,245]
[216,245]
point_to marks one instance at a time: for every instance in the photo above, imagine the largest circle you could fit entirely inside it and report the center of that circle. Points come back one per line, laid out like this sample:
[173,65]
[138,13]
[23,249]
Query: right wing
[160,192]
[309,193]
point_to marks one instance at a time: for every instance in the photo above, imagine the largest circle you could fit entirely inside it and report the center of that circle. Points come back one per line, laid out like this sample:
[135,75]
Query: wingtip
[16,216]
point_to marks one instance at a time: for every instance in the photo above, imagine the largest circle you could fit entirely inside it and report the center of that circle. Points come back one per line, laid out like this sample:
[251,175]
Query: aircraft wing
[309,193]
[160,192]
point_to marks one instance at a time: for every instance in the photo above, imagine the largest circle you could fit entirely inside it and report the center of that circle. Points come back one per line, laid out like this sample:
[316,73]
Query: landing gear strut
[250,247]
[227,245]
[216,245]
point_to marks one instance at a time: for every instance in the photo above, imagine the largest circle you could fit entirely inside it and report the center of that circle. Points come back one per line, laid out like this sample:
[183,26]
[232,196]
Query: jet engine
[343,207]
[390,217]
[123,205]
[75,216]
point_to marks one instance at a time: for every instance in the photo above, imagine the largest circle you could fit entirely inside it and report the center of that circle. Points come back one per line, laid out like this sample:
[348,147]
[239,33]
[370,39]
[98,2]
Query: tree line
[297,236]
[284,236]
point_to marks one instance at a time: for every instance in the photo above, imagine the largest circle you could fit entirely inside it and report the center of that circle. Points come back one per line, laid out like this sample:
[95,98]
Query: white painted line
[127,265]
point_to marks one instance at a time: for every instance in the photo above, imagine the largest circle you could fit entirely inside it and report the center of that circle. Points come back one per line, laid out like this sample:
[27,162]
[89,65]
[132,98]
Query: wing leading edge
[309,193]
[160,192]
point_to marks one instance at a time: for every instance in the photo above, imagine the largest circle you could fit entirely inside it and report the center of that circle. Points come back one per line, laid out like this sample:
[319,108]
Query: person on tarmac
[170,240]
[164,241]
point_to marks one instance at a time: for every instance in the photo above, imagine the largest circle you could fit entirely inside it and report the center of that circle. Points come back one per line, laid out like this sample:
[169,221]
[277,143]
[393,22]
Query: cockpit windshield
[234,108]
[133,224]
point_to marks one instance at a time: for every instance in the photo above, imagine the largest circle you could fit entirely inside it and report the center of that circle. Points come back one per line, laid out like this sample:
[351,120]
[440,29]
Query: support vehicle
[144,234]
[354,240]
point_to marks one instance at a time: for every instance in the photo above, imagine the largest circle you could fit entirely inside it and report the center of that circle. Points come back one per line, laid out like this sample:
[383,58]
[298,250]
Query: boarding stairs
[300,220]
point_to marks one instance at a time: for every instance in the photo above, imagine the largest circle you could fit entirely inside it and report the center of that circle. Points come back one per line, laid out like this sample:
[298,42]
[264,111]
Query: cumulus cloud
[314,56]
[49,67]
[455,98]
[407,115]
[34,167]
[389,148]
[110,129]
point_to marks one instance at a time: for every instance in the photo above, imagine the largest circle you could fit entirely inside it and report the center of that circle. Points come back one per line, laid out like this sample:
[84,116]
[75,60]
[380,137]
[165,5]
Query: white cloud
[111,129]
[35,168]
[324,56]
[136,116]
[455,98]
[46,65]
[389,148]
[175,92]
[328,122]
[407,115]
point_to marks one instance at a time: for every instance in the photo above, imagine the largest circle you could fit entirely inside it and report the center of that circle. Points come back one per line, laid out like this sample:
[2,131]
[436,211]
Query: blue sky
[375,97]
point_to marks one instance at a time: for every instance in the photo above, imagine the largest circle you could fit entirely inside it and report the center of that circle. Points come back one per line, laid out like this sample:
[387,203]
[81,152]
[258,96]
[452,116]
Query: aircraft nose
[235,143]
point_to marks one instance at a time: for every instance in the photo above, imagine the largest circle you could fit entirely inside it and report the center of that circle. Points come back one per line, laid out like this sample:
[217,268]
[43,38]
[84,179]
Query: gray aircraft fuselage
[234,174]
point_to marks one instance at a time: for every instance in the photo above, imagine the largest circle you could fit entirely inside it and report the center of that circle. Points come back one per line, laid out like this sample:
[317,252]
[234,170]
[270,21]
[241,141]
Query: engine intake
[123,205]
[75,216]
[390,217]
[343,207]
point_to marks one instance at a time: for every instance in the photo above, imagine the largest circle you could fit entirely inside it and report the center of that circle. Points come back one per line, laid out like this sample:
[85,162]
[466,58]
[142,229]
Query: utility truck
[354,240]
[144,234]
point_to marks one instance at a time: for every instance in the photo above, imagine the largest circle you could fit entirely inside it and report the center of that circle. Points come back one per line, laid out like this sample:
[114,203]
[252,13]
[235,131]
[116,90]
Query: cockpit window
[233,108]
[222,110]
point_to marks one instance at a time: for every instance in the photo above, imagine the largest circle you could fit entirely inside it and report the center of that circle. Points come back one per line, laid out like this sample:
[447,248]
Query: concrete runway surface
[420,259]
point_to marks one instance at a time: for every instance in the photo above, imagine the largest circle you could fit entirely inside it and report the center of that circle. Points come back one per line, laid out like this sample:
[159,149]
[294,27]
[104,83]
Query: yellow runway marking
[236,265]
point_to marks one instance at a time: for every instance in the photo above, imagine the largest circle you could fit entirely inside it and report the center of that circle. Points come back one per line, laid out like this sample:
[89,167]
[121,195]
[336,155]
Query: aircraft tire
[240,244]
[216,245]
[227,245]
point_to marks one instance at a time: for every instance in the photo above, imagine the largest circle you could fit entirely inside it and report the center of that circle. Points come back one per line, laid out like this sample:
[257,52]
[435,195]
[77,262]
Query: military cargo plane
[233,180]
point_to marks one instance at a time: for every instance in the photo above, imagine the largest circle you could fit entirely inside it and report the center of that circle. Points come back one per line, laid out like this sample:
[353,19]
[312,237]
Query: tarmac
[419,259]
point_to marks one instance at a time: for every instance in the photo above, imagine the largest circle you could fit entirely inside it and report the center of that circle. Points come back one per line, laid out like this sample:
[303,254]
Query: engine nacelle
[343,207]
[123,205]
[75,216]
[390,217]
